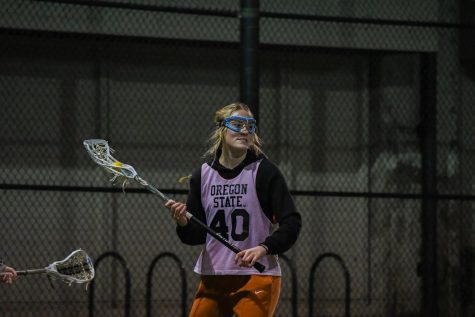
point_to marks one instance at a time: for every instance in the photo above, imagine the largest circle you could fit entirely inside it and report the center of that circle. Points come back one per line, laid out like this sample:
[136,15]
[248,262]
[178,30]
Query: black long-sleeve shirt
[273,195]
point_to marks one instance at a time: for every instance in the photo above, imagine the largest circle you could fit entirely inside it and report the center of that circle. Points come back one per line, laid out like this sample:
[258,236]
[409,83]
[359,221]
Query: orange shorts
[236,295]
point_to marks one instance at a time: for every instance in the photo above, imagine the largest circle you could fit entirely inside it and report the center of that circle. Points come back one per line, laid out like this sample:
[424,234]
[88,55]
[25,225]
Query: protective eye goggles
[237,123]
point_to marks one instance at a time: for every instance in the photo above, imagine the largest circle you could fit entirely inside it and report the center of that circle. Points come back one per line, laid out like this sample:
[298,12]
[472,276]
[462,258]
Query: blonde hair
[217,136]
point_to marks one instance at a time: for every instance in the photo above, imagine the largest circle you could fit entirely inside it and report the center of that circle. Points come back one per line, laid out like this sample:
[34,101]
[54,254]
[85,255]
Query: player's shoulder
[196,175]
[268,168]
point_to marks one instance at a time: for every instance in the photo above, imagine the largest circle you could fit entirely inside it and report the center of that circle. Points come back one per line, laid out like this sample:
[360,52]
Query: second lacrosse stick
[77,268]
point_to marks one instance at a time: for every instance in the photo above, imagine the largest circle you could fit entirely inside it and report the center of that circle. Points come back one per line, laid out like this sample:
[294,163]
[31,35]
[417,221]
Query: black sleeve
[278,205]
[193,234]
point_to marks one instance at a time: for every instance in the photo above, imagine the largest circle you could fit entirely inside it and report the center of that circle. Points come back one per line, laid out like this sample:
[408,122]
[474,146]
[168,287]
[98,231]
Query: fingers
[7,277]
[239,259]
[174,207]
[10,270]
[180,213]
[169,203]
[177,211]
[249,257]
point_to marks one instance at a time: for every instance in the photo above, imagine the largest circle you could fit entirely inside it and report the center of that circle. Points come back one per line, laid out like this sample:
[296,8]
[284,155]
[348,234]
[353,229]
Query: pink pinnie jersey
[232,208]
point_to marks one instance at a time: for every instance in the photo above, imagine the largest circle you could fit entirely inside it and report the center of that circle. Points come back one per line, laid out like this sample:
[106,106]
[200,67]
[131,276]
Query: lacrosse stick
[75,268]
[100,153]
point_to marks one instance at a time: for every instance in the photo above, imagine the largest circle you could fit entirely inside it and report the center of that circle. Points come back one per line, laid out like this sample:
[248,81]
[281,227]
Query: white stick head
[75,268]
[100,153]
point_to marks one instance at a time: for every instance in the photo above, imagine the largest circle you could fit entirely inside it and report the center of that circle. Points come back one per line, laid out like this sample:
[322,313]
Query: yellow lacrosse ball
[118,164]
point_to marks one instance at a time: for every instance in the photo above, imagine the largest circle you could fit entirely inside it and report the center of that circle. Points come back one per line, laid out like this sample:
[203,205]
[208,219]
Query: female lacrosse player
[7,273]
[243,196]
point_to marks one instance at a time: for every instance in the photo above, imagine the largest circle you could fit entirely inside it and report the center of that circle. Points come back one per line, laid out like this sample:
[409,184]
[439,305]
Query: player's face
[238,132]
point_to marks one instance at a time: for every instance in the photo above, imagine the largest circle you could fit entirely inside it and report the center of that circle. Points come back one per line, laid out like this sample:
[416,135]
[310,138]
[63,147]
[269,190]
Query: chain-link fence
[366,107]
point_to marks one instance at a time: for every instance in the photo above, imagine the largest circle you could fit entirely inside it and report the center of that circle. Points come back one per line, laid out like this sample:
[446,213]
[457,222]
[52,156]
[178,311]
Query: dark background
[365,106]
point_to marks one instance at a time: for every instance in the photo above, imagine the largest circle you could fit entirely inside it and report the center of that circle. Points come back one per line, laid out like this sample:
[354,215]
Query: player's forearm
[286,236]
[191,234]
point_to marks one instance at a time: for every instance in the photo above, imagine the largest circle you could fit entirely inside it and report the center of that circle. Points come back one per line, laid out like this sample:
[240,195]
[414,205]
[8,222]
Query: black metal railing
[346,273]
[150,284]
[294,283]
[125,269]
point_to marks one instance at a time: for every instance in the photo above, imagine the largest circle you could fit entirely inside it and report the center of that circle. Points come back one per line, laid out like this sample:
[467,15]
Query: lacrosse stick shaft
[144,183]
[258,266]
[33,271]
[27,272]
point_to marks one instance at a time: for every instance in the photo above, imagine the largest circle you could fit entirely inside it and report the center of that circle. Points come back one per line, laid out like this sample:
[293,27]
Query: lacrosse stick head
[75,268]
[100,153]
